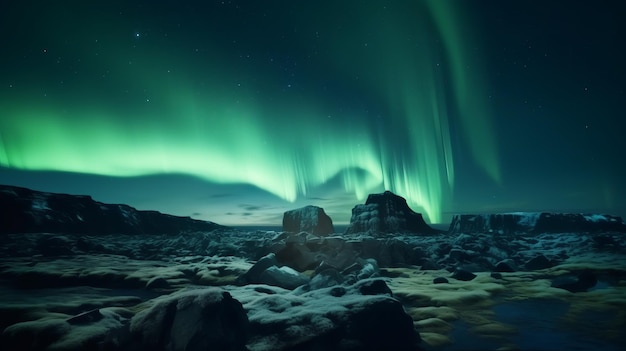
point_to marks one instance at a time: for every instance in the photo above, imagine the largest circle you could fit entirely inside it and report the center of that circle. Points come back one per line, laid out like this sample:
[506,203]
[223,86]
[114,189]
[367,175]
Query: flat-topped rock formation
[310,219]
[536,222]
[387,213]
[28,211]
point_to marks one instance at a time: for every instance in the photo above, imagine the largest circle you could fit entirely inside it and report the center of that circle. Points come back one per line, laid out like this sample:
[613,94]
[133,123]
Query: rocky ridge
[29,211]
[535,223]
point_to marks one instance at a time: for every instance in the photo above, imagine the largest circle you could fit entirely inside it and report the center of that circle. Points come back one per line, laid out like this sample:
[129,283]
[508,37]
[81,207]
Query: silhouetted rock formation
[387,213]
[30,211]
[536,222]
[311,219]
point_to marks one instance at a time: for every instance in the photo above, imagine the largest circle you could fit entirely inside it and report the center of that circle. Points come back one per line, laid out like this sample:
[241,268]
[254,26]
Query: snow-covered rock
[196,319]
[535,222]
[284,277]
[311,219]
[362,316]
[387,213]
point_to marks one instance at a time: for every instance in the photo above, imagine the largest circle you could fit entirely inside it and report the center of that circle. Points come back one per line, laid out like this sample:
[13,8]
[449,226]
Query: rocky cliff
[536,222]
[387,213]
[29,211]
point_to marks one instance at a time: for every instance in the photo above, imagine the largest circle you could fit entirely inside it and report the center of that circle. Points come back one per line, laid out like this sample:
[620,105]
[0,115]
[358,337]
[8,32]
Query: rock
[283,277]
[55,245]
[496,275]
[30,211]
[86,317]
[459,255]
[353,268]
[536,222]
[462,274]
[34,335]
[324,266]
[338,318]
[102,329]
[581,282]
[506,265]
[200,319]
[440,280]
[311,219]
[373,287]
[538,262]
[298,256]
[429,265]
[157,283]
[370,269]
[253,275]
[381,325]
[324,279]
[387,213]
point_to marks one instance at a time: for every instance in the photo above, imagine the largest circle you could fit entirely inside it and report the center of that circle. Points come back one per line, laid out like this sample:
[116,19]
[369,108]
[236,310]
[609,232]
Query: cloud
[248,207]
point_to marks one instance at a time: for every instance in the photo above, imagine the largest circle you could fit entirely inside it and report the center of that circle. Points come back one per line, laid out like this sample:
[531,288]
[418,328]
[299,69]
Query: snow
[595,218]
[528,219]
[40,203]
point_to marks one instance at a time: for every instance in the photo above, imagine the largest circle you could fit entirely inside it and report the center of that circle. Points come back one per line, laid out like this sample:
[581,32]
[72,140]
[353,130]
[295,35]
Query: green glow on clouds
[284,144]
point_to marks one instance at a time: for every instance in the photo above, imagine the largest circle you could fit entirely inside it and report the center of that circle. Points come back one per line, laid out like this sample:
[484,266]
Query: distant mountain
[24,210]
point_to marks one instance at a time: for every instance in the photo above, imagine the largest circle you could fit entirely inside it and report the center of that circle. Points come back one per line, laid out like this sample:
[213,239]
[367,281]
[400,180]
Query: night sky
[235,112]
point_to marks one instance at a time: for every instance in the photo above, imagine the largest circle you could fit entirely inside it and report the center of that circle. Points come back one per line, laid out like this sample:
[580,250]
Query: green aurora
[401,75]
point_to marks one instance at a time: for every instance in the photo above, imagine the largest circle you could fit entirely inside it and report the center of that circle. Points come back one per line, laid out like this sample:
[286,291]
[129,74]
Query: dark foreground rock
[30,211]
[193,320]
[311,219]
[361,316]
[536,222]
[387,213]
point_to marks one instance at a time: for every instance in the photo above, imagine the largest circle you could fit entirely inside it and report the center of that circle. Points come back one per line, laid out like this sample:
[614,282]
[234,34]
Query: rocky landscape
[78,274]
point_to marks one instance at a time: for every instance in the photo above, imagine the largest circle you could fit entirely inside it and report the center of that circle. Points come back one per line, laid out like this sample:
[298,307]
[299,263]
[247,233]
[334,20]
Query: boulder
[538,262]
[253,275]
[98,329]
[311,219]
[297,256]
[387,213]
[362,316]
[506,265]
[283,277]
[462,274]
[580,282]
[199,319]
[440,280]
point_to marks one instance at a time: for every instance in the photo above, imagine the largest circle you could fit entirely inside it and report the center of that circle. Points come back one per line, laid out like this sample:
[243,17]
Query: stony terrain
[501,285]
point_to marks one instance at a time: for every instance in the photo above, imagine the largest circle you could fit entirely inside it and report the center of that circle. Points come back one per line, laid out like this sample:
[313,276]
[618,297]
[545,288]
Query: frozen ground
[527,292]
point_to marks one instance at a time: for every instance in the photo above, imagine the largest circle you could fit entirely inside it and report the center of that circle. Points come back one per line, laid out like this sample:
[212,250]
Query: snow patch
[528,219]
[595,218]
[40,203]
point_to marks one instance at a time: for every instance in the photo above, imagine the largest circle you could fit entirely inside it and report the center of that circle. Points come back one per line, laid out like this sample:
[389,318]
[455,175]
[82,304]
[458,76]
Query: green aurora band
[283,145]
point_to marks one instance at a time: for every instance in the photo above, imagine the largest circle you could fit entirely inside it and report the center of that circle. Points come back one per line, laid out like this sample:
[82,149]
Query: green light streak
[284,145]
[467,73]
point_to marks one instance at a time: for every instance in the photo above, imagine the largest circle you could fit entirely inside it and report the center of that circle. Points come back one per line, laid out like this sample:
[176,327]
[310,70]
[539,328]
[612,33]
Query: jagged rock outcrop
[29,211]
[536,222]
[387,213]
[311,219]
